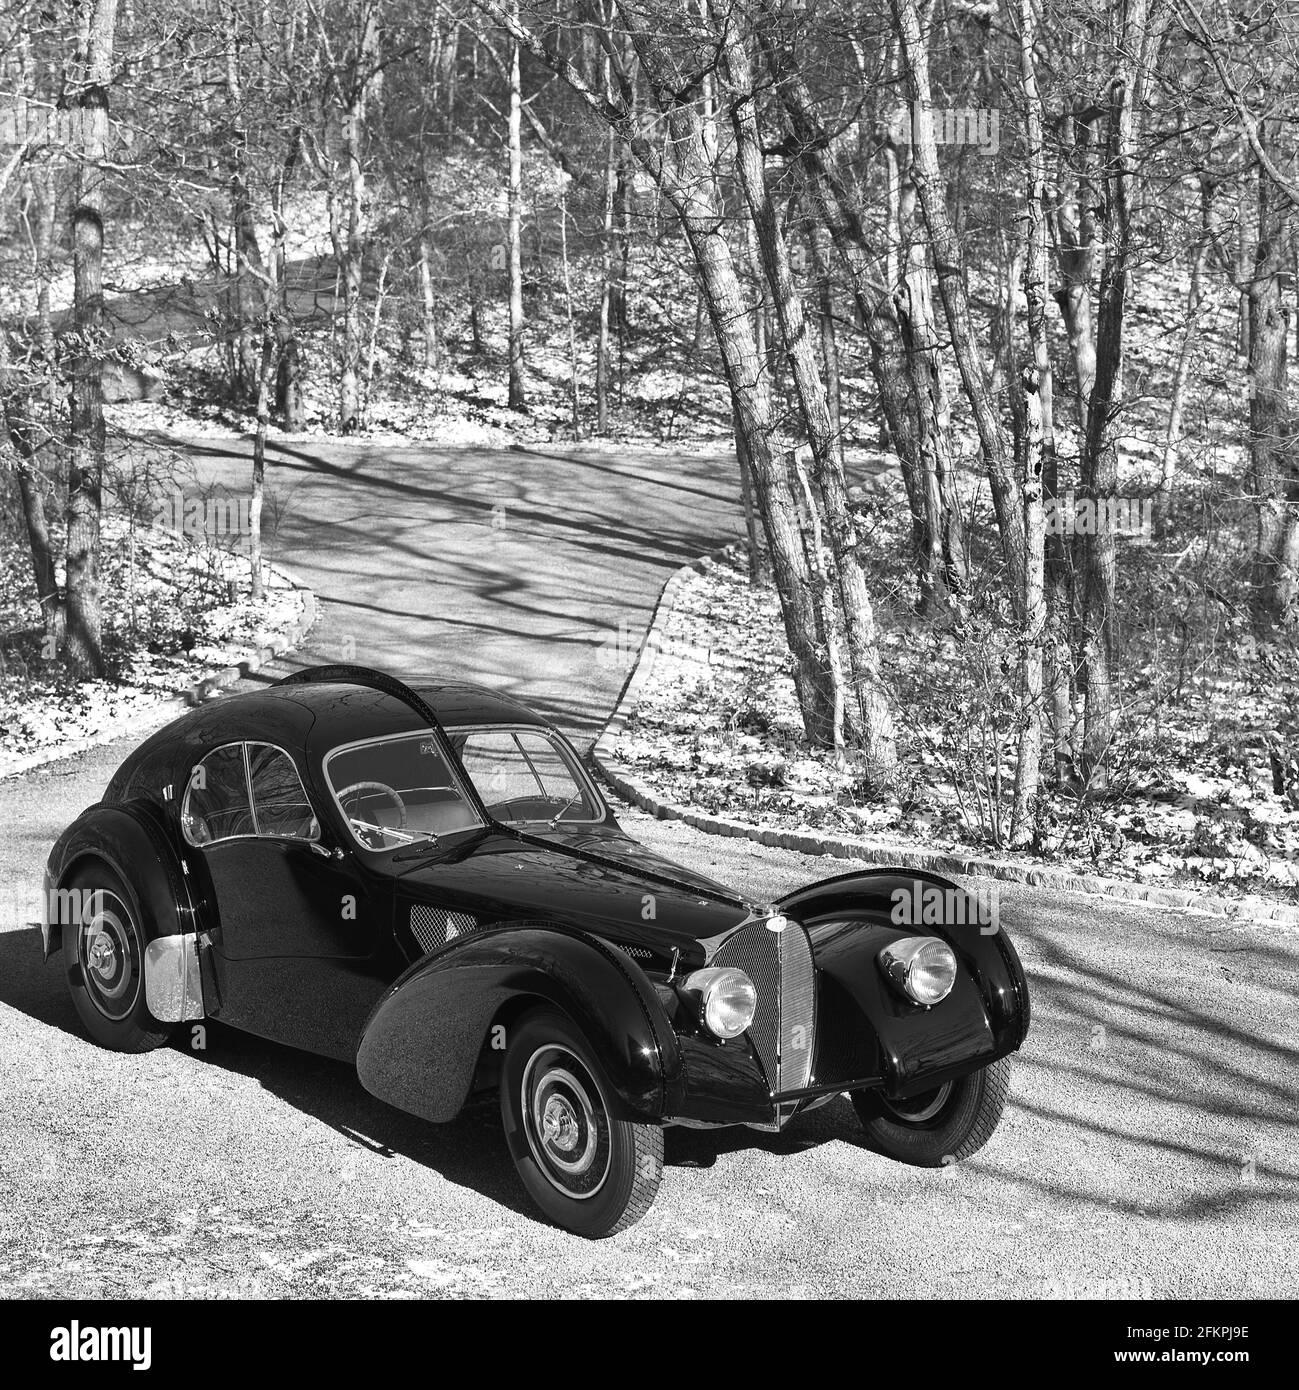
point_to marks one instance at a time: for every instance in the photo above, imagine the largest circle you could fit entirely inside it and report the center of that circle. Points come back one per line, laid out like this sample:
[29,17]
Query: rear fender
[422,1043]
[128,838]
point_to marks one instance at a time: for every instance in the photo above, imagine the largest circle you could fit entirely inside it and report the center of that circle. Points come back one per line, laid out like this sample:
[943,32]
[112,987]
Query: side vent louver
[432,927]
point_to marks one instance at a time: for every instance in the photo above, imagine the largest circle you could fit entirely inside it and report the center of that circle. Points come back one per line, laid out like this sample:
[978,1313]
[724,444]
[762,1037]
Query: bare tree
[949,264]
[1039,441]
[1099,465]
[94,72]
[514,243]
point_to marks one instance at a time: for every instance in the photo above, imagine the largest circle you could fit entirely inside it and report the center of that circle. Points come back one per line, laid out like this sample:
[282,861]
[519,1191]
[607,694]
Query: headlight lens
[727,1000]
[921,967]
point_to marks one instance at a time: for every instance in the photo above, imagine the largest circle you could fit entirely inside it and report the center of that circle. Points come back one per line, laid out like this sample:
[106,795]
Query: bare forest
[987,306]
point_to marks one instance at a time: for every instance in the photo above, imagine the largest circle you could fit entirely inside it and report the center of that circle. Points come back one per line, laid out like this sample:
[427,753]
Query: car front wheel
[589,1171]
[103,956]
[940,1126]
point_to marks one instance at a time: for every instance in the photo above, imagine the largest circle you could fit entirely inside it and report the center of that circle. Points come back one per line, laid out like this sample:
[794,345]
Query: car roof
[344,713]
[309,720]
[319,716]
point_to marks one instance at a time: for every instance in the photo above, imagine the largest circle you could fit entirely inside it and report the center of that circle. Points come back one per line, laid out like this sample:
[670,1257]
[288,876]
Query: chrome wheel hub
[559,1127]
[917,1110]
[110,957]
[102,957]
[565,1122]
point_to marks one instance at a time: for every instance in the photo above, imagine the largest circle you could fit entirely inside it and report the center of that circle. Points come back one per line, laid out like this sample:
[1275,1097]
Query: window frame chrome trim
[557,741]
[243,744]
[456,772]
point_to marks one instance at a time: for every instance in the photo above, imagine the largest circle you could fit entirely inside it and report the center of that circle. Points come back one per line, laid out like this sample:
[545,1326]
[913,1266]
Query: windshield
[525,776]
[397,791]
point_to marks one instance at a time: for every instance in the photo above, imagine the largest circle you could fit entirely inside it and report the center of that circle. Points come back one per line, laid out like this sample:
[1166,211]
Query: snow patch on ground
[717,728]
[173,611]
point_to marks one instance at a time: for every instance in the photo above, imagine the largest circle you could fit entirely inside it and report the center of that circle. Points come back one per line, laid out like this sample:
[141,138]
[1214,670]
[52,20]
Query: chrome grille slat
[781,968]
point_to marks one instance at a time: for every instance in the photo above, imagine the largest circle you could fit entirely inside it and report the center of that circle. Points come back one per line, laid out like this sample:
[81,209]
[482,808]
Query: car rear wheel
[103,956]
[589,1171]
[940,1126]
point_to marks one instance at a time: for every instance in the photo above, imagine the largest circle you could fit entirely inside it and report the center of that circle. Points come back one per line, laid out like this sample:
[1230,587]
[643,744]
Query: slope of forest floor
[174,609]
[1193,799]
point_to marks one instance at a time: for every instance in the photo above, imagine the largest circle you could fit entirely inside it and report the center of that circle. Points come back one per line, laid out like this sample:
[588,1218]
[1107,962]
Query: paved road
[534,570]
[1150,1148]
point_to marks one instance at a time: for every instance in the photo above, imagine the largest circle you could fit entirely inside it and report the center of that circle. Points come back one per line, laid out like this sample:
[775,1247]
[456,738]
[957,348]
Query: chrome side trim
[173,987]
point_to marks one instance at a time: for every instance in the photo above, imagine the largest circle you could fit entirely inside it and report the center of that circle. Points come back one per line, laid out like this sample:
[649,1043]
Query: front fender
[422,1042]
[985,1017]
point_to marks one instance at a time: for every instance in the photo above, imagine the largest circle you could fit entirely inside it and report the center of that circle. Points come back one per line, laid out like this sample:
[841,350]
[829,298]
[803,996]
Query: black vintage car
[428,884]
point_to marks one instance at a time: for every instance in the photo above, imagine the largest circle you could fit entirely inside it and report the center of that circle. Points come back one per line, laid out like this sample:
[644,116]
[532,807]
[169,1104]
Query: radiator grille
[783,1031]
[433,928]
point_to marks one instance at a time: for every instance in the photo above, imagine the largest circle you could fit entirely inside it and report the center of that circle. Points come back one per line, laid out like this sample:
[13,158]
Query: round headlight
[727,1000]
[921,967]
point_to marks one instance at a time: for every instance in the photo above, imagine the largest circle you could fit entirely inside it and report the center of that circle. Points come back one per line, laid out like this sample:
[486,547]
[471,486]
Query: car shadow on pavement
[834,1122]
[33,986]
[470,1151]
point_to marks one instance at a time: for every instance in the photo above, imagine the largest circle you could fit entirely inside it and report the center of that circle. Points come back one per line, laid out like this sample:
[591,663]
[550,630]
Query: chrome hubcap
[103,957]
[565,1122]
[110,957]
[917,1109]
[559,1127]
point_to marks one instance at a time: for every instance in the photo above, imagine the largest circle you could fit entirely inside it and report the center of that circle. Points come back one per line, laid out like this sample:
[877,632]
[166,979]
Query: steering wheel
[365,828]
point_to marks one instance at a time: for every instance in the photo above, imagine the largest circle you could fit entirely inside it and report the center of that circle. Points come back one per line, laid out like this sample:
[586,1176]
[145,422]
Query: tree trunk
[1182,372]
[82,648]
[517,395]
[1039,443]
[940,540]
[246,295]
[27,410]
[949,263]
[602,363]
[428,302]
[352,255]
[265,370]
[288,379]
[23,428]
[836,207]
[568,310]
[819,240]
[1075,233]
[746,497]
[1099,469]
[1274,470]
[875,725]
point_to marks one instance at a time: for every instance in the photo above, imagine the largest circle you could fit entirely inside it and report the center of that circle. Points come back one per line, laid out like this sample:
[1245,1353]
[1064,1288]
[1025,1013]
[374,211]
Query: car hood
[596,880]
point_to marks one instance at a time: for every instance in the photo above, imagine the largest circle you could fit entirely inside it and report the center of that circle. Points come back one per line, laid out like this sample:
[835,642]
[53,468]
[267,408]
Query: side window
[280,804]
[216,805]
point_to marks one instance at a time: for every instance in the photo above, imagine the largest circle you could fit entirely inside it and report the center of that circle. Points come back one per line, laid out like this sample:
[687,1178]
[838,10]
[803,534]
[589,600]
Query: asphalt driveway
[532,570]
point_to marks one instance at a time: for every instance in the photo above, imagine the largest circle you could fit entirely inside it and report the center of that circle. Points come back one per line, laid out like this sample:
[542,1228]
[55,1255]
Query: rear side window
[245,790]
[216,805]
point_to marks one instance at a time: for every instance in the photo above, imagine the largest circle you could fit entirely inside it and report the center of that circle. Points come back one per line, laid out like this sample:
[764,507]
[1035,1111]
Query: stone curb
[147,715]
[635,790]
